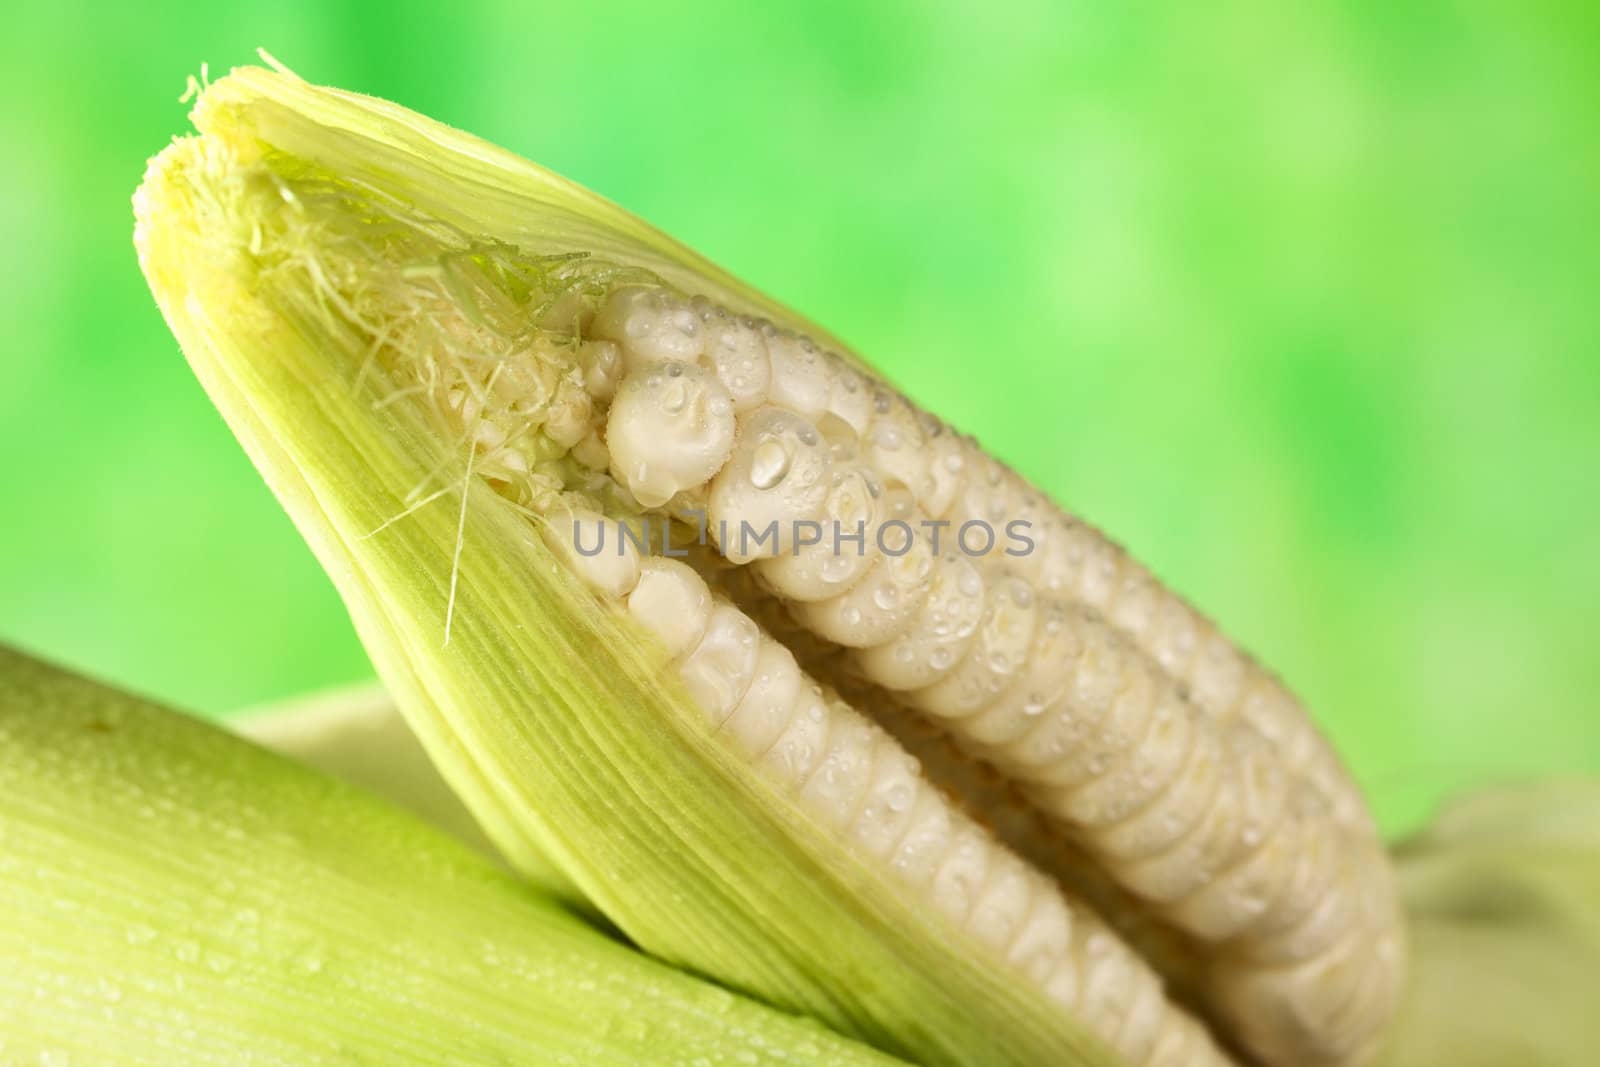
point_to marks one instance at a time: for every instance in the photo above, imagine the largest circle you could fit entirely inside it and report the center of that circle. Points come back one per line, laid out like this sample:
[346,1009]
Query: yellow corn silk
[653,568]
[171,894]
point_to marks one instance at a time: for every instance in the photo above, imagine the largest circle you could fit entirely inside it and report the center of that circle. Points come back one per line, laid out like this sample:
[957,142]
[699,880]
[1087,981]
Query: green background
[1297,300]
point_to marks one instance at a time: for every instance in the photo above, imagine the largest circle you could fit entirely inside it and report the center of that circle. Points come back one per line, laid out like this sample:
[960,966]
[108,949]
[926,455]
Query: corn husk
[170,894]
[548,716]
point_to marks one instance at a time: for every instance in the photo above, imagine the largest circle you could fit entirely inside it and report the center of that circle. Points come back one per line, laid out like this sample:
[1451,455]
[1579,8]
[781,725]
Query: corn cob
[1224,810]
[391,314]
[169,894]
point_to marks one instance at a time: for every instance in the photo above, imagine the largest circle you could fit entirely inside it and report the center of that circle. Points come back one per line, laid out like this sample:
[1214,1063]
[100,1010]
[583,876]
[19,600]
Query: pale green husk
[1503,896]
[358,735]
[170,894]
[549,716]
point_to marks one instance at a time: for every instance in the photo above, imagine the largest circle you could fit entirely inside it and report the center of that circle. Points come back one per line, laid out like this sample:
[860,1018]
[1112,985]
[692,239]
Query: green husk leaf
[358,735]
[549,716]
[172,894]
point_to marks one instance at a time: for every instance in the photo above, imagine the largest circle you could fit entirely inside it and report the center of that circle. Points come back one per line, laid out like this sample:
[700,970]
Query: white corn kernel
[994,659]
[1044,677]
[1002,902]
[672,602]
[849,408]
[650,325]
[720,669]
[887,810]
[894,444]
[937,637]
[596,549]
[883,602]
[800,379]
[601,365]
[923,848]
[1044,939]
[825,560]
[568,419]
[834,791]
[670,428]
[737,355]
[957,880]
[774,691]
[804,740]
[775,477]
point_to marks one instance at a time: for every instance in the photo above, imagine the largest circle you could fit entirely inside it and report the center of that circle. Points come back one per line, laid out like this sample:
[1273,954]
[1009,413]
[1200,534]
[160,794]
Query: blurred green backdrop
[1300,301]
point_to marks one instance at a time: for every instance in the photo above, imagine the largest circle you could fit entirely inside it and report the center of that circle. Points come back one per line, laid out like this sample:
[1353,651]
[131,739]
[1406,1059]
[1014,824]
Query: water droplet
[886,597]
[769,463]
[835,568]
[674,397]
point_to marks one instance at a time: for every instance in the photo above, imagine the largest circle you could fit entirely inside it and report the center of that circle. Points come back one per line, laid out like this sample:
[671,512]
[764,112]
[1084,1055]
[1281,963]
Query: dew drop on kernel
[769,464]
[674,397]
